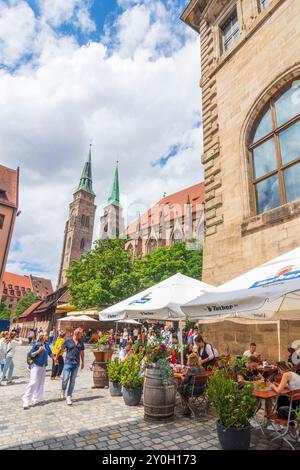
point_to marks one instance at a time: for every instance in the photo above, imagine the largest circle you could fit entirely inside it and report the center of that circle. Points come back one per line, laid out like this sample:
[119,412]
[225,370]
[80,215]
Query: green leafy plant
[157,353]
[237,365]
[234,405]
[297,412]
[114,370]
[103,341]
[131,372]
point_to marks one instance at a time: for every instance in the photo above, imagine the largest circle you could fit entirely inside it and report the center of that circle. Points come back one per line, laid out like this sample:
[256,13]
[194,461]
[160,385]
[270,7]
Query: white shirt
[2,350]
[294,383]
[122,354]
[249,353]
[11,347]
[208,350]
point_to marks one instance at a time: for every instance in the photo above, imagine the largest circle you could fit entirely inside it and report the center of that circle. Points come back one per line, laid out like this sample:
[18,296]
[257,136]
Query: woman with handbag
[39,360]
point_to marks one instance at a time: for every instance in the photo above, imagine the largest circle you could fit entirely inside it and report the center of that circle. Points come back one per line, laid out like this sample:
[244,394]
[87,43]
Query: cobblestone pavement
[96,420]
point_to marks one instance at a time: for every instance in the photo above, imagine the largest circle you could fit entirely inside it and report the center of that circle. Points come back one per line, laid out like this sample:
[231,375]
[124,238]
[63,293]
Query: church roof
[86,183]
[114,197]
[169,208]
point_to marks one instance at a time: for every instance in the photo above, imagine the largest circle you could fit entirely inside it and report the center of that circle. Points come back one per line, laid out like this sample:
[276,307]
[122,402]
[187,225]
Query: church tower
[112,222]
[80,225]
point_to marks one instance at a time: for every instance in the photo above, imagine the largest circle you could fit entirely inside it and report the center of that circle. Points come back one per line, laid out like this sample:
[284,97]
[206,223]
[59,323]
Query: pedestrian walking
[58,358]
[11,343]
[51,336]
[39,353]
[31,336]
[3,343]
[75,354]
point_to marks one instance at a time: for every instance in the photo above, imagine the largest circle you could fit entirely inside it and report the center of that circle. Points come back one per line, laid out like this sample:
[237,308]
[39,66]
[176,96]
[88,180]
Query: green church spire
[86,183]
[114,197]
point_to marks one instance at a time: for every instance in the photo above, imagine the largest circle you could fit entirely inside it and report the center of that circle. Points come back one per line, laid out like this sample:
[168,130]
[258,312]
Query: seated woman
[185,389]
[289,380]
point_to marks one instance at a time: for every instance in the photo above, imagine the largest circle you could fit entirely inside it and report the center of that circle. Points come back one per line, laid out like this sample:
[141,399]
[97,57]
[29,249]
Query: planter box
[159,399]
[102,356]
[115,389]
[232,438]
[132,396]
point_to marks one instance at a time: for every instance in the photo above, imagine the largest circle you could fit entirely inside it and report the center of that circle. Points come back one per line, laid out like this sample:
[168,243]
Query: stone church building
[178,217]
[250,80]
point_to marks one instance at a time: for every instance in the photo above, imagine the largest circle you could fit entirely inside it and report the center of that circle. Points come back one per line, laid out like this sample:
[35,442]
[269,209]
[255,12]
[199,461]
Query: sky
[120,74]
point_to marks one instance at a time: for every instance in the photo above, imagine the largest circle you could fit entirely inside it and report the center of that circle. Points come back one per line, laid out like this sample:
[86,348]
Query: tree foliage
[167,261]
[103,276]
[4,312]
[107,274]
[24,303]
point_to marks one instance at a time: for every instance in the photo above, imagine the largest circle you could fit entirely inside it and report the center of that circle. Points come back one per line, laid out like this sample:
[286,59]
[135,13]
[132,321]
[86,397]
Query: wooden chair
[289,427]
[198,401]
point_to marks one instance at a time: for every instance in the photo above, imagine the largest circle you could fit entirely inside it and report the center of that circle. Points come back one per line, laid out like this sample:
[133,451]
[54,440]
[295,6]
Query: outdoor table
[268,371]
[265,395]
[180,376]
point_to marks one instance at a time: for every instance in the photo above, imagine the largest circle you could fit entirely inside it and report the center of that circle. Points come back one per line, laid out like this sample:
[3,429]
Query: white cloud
[57,12]
[17,31]
[135,100]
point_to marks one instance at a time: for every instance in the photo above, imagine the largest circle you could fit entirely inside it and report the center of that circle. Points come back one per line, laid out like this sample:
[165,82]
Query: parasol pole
[181,342]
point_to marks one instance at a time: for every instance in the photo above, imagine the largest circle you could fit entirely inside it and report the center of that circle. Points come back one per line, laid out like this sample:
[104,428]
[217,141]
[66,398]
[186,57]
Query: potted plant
[235,405]
[114,370]
[132,380]
[159,389]
[103,349]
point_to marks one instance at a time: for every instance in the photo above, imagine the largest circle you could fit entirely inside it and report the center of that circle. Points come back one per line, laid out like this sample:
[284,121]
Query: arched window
[152,245]
[275,151]
[82,244]
[177,237]
[69,243]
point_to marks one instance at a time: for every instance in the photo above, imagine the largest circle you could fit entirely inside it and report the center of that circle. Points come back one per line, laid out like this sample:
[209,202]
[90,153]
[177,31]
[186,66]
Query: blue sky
[123,73]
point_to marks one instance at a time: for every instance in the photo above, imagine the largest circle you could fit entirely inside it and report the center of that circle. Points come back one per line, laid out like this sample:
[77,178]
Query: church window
[230,31]
[69,242]
[152,245]
[2,217]
[275,151]
[82,244]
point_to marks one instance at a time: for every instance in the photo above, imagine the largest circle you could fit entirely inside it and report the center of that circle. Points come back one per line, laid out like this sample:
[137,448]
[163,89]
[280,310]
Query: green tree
[26,301]
[4,312]
[167,261]
[106,275]
[103,276]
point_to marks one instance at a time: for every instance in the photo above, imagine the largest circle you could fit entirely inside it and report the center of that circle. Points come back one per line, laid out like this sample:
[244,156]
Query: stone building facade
[79,228]
[15,286]
[177,217]
[250,62]
[9,199]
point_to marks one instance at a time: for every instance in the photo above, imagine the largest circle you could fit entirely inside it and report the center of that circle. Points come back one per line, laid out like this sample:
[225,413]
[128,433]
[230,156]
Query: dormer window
[3,194]
[2,217]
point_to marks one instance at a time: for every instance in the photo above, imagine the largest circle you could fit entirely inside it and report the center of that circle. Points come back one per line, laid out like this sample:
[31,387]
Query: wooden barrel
[159,400]
[100,375]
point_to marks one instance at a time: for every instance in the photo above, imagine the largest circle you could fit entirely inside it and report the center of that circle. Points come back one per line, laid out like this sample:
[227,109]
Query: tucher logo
[289,273]
[218,308]
[143,300]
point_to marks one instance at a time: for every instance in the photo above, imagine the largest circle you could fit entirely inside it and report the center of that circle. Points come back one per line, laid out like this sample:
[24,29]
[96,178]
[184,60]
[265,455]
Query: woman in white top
[289,380]
[11,344]
[3,337]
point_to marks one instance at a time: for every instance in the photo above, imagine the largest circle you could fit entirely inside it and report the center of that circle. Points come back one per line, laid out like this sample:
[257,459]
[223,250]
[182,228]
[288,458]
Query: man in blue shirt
[75,352]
